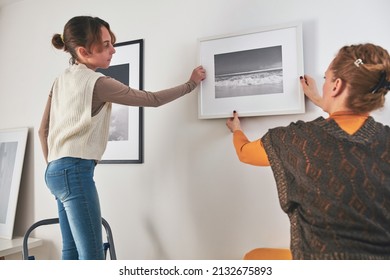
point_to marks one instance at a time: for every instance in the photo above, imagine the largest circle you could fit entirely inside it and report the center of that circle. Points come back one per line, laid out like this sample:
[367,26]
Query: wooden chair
[268,254]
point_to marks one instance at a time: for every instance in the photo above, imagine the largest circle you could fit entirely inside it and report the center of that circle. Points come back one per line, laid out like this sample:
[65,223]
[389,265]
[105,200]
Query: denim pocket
[57,182]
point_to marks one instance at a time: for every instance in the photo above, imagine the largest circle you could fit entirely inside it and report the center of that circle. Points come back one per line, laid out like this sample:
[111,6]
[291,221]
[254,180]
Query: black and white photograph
[255,73]
[12,149]
[251,72]
[119,123]
[125,141]
[7,165]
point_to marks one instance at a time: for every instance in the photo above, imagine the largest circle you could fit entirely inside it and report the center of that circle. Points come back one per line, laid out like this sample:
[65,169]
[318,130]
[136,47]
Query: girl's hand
[198,75]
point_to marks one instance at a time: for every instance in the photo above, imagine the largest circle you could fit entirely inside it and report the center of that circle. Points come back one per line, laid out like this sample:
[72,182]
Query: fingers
[303,80]
[235,114]
[200,69]
[307,84]
[304,84]
[234,117]
[202,72]
[233,123]
[198,74]
[307,80]
[310,90]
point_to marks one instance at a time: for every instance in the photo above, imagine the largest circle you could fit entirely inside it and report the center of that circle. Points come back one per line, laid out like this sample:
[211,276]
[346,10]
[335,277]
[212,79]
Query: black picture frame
[125,144]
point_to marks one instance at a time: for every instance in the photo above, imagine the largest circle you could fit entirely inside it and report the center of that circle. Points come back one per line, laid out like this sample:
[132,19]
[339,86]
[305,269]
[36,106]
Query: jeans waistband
[72,161]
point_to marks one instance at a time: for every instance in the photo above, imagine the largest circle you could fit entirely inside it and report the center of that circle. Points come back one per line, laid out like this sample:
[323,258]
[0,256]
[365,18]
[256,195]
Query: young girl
[74,129]
[333,175]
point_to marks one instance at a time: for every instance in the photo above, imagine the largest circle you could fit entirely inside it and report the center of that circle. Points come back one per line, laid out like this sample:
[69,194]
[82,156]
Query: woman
[74,129]
[333,175]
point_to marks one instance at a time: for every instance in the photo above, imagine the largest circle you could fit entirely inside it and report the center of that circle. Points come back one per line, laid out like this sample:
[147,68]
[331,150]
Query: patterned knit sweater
[73,132]
[335,188]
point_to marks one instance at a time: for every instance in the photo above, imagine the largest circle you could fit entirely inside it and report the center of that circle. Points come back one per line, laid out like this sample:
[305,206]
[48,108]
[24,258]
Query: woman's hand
[233,123]
[310,89]
[198,75]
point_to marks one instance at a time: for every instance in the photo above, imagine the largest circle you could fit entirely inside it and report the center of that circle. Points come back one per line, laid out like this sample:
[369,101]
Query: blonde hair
[363,68]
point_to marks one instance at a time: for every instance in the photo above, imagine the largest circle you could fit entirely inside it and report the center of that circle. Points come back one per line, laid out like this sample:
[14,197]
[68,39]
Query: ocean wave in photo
[250,83]
[119,123]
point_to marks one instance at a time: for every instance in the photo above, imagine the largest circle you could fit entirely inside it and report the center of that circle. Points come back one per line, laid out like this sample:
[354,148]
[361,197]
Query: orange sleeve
[249,152]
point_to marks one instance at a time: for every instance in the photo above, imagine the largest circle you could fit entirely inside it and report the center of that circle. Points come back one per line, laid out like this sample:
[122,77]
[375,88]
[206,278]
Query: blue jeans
[70,180]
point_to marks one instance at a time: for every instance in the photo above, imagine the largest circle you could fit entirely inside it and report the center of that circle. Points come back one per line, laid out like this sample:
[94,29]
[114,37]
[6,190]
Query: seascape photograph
[249,72]
[8,152]
[119,124]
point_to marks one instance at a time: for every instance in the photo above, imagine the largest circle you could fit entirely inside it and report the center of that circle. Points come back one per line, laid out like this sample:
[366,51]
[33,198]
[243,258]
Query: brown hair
[81,31]
[361,67]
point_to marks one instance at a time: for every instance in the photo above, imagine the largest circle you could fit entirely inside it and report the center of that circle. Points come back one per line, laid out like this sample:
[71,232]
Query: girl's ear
[82,52]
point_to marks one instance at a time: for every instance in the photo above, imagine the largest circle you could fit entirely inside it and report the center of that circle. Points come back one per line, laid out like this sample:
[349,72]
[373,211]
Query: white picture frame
[255,73]
[12,150]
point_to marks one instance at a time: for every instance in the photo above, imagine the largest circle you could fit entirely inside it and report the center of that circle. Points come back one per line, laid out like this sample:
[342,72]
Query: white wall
[192,198]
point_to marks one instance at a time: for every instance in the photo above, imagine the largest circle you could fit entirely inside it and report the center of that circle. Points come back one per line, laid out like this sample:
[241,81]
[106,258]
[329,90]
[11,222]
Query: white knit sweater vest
[73,132]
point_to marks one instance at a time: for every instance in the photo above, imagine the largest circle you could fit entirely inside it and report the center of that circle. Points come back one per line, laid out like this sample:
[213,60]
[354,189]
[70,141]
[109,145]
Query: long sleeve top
[110,90]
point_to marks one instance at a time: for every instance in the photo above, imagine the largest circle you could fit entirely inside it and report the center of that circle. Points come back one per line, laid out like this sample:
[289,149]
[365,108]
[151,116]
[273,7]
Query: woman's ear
[338,87]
